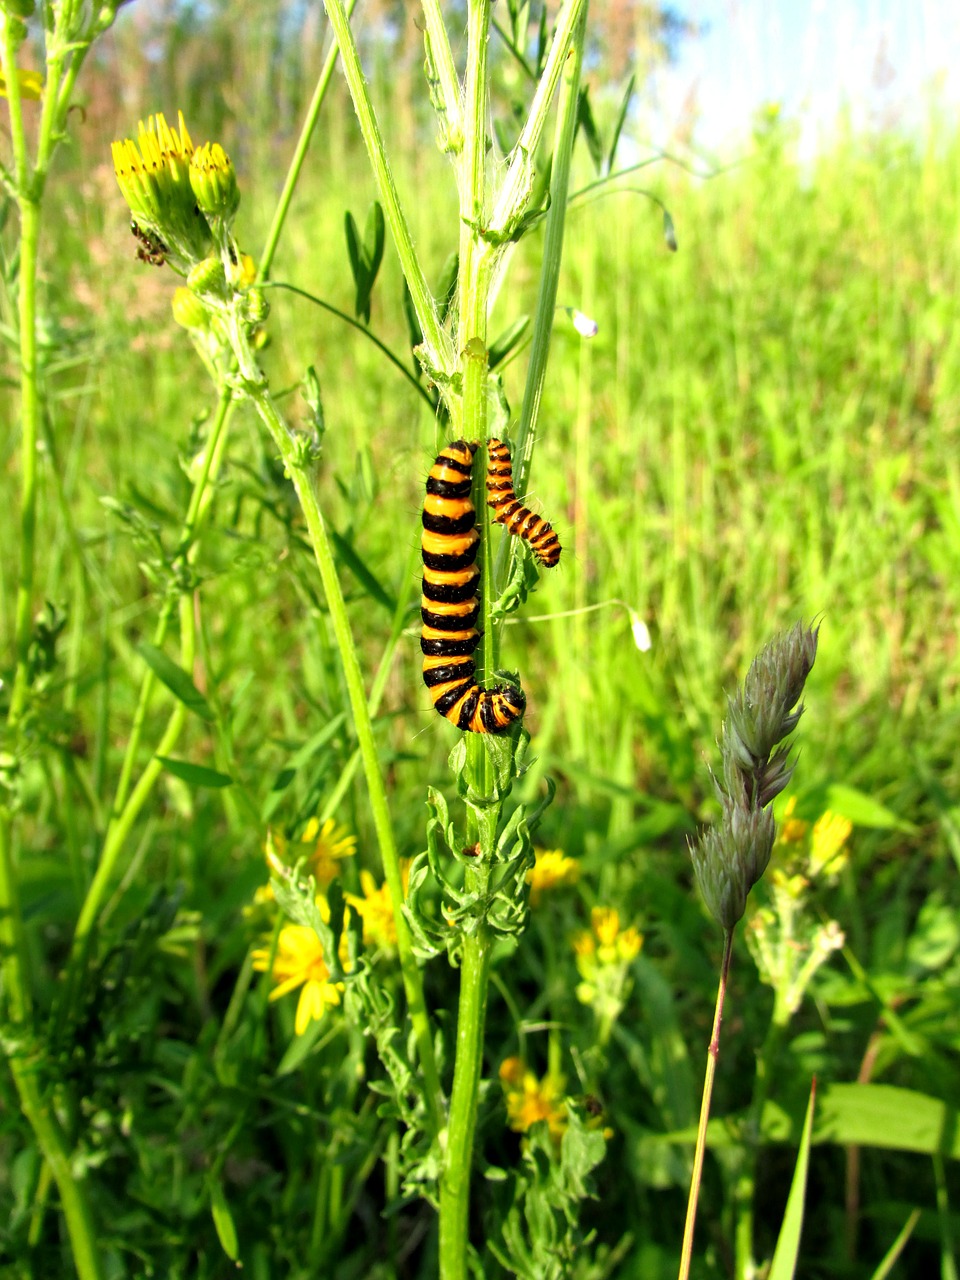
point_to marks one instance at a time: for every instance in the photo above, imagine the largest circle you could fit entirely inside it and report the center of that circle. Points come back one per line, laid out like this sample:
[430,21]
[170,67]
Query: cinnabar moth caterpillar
[449,605]
[510,511]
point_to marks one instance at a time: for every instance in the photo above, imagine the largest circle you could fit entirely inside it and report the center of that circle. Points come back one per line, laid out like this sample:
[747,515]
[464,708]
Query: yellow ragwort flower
[214,182]
[792,830]
[375,908]
[827,841]
[614,945]
[551,870]
[299,962]
[154,177]
[330,844]
[529,1099]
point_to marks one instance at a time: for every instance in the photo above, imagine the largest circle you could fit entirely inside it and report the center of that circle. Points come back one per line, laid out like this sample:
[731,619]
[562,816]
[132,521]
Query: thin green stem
[513,192]
[437,341]
[713,1052]
[296,163]
[455,1181]
[449,86]
[302,471]
[566,132]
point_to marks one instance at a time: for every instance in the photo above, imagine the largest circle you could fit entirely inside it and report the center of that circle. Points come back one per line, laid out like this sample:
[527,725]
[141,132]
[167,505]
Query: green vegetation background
[765,428]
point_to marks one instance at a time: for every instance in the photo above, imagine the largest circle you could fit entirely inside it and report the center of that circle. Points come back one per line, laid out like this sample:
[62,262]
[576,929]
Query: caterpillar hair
[508,510]
[450,605]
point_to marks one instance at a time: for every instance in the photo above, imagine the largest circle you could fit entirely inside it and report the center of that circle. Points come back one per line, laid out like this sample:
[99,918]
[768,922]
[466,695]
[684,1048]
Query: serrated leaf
[223,1221]
[618,126]
[197,775]
[785,1255]
[176,680]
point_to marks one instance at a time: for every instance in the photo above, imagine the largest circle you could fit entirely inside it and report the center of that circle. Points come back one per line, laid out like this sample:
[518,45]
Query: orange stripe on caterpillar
[509,510]
[450,603]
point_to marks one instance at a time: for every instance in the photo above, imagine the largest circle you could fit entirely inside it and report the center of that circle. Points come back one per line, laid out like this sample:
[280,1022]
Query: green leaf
[501,347]
[785,1255]
[586,122]
[176,680]
[223,1221]
[360,571]
[863,810]
[354,251]
[618,126]
[669,232]
[447,284]
[373,241]
[197,775]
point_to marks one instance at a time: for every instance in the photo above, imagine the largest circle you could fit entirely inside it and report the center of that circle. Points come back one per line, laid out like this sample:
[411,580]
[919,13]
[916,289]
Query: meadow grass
[764,429]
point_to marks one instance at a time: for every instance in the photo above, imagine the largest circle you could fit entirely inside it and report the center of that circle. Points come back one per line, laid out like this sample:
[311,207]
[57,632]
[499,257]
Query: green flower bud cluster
[730,858]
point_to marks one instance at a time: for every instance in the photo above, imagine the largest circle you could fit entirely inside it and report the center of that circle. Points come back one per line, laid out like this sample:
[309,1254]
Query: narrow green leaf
[892,1256]
[669,232]
[586,122]
[353,249]
[223,1221]
[176,680]
[368,580]
[197,775]
[374,237]
[501,347]
[785,1255]
[618,126]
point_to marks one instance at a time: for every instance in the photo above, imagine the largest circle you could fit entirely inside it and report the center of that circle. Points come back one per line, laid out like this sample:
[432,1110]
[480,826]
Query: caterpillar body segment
[508,510]
[450,603]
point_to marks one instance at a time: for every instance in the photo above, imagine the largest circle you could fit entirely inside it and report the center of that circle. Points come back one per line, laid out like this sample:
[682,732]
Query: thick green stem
[713,1052]
[302,472]
[438,343]
[455,1181]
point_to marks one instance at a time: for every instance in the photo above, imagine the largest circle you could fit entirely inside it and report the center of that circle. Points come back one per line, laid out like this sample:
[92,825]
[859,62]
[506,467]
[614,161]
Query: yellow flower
[31,85]
[154,177]
[299,962]
[529,1099]
[830,834]
[792,830]
[323,847]
[214,182]
[375,908]
[604,953]
[611,944]
[552,869]
[330,843]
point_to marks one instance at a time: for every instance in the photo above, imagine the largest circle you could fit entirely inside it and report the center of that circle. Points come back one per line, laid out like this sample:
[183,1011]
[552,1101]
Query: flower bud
[214,182]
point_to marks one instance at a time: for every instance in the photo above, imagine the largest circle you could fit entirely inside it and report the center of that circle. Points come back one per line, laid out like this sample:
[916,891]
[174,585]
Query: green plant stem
[37,1109]
[745,1179]
[437,341]
[713,1052]
[442,56]
[455,1180]
[513,192]
[296,163]
[566,132]
[303,474]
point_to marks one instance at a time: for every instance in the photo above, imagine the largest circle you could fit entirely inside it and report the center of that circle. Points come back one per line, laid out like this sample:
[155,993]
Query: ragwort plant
[467,891]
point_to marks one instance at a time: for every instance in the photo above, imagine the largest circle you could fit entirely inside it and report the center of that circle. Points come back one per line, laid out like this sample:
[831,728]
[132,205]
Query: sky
[882,58]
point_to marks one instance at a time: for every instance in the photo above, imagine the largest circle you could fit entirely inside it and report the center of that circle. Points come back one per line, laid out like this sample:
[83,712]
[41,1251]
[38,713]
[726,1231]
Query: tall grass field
[298,978]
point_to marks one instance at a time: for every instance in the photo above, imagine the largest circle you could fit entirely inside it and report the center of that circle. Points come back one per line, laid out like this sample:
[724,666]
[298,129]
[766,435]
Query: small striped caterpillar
[510,511]
[450,605]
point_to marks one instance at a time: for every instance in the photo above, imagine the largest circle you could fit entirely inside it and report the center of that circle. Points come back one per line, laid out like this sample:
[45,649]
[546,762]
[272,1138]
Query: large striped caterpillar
[510,511]
[449,605]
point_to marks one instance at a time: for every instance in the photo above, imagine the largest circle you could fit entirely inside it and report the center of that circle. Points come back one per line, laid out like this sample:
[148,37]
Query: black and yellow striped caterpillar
[449,605]
[509,510]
